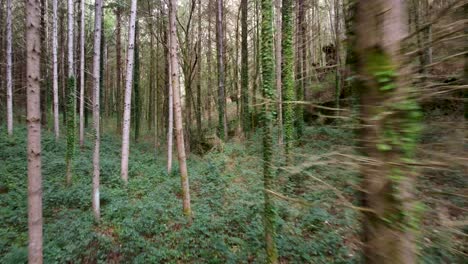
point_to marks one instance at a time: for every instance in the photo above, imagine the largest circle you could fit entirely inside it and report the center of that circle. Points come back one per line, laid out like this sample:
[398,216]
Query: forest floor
[143,221]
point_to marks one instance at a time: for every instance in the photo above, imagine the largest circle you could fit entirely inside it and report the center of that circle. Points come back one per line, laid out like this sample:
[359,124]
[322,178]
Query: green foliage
[142,223]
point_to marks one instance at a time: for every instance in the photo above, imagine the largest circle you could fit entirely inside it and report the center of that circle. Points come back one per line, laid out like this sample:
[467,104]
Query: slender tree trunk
[178,110]
[128,92]
[55,87]
[44,67]
[118,50]
[62,72]
[82,71]
[9,66]
[33,72]
[288,76]
[96,105]
[338,58]
[391,125]
[209,55]
[199,76]
[278,59]
[267,118]
[245,69]
[302,49]
[222,125]
[71,116]
[136,86]
[170,125]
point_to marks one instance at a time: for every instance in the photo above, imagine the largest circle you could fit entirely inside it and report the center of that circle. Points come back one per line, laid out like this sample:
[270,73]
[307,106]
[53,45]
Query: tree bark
[33,72]
[245,69]
[222,122]
[71,83]
[128,92]
[178,111]
[170,125]
[278,59]
[118,50]
[267,124]
[209,55]
[288,76]
[82,71]
[96,106]
[9,66]
[391,126]
[55,87]
[199,76]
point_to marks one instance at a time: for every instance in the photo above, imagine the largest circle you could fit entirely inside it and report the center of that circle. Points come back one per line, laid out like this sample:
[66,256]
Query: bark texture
[9,66]
[222,122]
[268,77]
[96,106]
[33,72]
[178,111]
[128,93]
[391,125]
[55,69]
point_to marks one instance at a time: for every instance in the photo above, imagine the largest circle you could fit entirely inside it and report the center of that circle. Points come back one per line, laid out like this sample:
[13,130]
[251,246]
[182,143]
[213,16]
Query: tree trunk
[71,116]
[288,76]
[222,125]
[391,125]
[278,60]
[33,71]
[170,110]
[118,50]
[245,69]
[302,63]
[199,76]
[9,66]
[128,92]
[96,105]
[178,111]
[209,55]
[136,86]
[55,87]
[268,109]
[82,71]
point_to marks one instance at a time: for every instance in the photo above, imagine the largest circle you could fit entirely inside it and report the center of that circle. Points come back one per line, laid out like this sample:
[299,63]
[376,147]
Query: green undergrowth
[143,221]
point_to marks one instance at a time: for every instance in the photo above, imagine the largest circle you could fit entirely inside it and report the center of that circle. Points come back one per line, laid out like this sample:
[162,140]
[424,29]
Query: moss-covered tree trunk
[267,124]
[390,128]
[288,75]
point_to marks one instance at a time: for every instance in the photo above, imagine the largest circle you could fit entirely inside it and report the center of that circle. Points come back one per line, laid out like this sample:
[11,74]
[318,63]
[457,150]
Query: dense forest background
[238,131]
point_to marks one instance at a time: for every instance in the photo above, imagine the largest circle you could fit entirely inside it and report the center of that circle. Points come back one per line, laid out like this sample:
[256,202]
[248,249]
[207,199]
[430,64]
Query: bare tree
[55,69]
[8,70]
[178,110]
[33,72]
[128,92]
[96,106]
